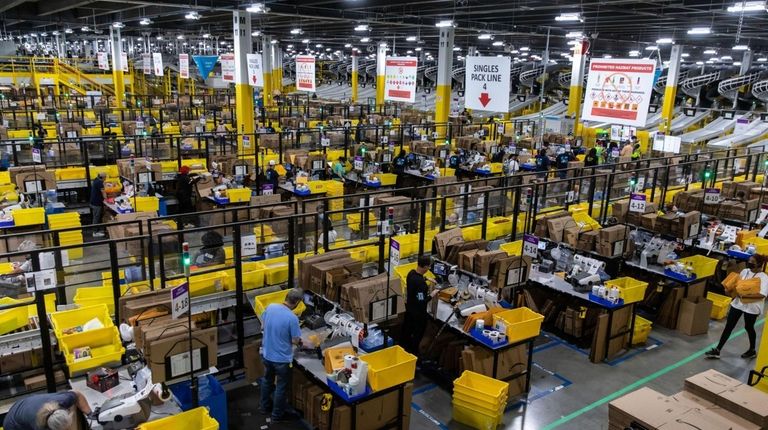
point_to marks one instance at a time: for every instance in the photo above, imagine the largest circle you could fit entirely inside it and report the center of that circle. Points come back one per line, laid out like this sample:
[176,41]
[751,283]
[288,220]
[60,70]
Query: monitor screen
[145,177]
[241,170]
[386,158]
[309,299]
[439,269]
[317,165]
[34,186]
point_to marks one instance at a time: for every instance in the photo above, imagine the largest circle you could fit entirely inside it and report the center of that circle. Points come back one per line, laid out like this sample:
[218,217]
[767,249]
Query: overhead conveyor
[554,110]
[710,131]
[755,129]
[683,121]
[516,105]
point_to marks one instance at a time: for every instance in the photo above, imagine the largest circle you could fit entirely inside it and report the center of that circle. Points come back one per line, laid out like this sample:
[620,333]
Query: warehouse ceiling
[616,26]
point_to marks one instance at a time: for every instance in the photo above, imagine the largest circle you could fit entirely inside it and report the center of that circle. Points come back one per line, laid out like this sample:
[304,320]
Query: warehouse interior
[359,214]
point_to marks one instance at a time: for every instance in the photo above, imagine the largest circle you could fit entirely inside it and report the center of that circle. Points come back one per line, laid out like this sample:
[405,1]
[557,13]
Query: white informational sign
[530,246]
[227,67]
[712,196]
[324,141]
[400,79]
[41,281]
[248,245]
[664,143]
[637,203]
[619,91]
[486,84]
[394,253]
[305,73]
[184,66]
[622,133]
[180,300]
[180,363]
[103,60]
[124,61]
[36,157]
[146,63]
[157,63]
[246,142]
[255,72]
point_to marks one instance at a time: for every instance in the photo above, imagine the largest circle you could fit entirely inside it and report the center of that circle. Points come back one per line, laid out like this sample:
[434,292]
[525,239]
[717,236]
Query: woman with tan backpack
[748,289]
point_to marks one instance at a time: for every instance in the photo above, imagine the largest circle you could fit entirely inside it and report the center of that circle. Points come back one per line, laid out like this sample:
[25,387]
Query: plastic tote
[630,289]
[475,419]
[484,389]
[209,394]
[198,419]
[720,305]
[642,330]
[522,323]
[389,367]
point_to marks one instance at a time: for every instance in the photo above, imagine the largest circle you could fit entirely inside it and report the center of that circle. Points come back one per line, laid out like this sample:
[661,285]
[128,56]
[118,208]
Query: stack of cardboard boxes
[680,225]
[711,401]
[366,298]
[562,228]
[742,201]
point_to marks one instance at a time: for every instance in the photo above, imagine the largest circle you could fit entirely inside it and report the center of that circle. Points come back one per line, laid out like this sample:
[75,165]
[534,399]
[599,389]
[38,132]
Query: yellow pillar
[117,67]
[444,76]
[577,82]
[266,65]
[243,90]
[277,68]
[381,71]
[670,92]
[354,78]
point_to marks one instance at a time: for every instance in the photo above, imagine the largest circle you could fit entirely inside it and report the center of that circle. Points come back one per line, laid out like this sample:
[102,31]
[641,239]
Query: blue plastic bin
[210,395]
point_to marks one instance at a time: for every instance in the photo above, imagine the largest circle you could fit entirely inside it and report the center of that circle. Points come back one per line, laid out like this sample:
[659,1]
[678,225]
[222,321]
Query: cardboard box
[571,235]
[317,272]
[135,305]
[610,249]
[648,221]
[467,260]
[693,317]
[336,277]
[689,224]
[38,382]
[153,328]
[717,413]
[732,395]
[254,368]
[46,178]
[484,259]
[372,292]
[175,349]
[306,263]
[446,238]
[613,233]
[556,227]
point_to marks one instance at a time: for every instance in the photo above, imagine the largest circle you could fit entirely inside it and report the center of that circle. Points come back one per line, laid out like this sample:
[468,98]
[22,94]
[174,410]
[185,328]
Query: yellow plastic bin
[239,195]
[389,367]
[105,345]
[642,330]
[277,270]
[482,389]
[720,305]
[513,248]
[65,320]
[522,323]
[146,204]
[630,289]
[197,419]
[475,419]
[703,267]
[31,216]
[12,319]
[261,302]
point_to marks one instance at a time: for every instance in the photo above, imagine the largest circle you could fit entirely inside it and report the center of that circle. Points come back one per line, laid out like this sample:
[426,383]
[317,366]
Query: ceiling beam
[51,7]
[10,4]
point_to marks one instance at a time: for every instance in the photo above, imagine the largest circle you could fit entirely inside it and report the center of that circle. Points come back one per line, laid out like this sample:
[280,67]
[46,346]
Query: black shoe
[263,412]
[287,416]
[713,353]
[749,354]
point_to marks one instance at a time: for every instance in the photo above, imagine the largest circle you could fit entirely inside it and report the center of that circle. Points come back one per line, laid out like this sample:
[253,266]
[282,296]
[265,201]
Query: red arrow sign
[254,78]
[484,99]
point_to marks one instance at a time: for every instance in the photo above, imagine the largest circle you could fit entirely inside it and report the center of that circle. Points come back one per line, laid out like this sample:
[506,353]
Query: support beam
[381,71]
[10,4]
[117,66]
[49,7]
[670,92]
[354,77]
[266,60]
[243,90]
[277,68]
[444,76]
[577,81]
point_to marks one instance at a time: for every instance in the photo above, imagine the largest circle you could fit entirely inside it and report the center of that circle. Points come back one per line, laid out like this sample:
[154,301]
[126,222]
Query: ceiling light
[410,39]
[68,30]
[726,58]
[192,15]
[362,27]
[747,6]
[118,24]
[651,48]
[713,59]
[85,28]
[55,33]
[738,63]
[634,53]
[762,60]
[161,38]
[296,31]
[141,39]
[180,37]
[574,35]
[145,21]
[409,52]
[456,48]
[524,54]
[572,43]
[304,40]
[485,36]
[289,47]
[569,17]
[498,43]
[273,41]
[43,34]
[256,33]
[607,56]
[525,48]
[514,51]
[445,23]
[256,8]
[417,49]
[206,36]
[740,47]
[699,30]
[382,44]
[664,41]
[710,52]
[685,55]
[319,45]
[699,63]
[365,40]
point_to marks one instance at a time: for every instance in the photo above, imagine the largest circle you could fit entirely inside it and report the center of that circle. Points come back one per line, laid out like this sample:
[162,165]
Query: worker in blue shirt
[281,331]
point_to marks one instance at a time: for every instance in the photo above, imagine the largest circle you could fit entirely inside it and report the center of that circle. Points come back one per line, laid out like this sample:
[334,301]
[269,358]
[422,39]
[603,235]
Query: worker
[40,135]
[563,158]
[398,167]
[221,133]
[273,178]
[98,194]
[626,150]
[748,301]
[467,116]
[212,251]
[184,188]
[592,159]
[327,225]
[635,152]
[280,332]
[512,166]
[417,297]
[14,283]
[338,168]
[50,411]
[542,163]
[600,151]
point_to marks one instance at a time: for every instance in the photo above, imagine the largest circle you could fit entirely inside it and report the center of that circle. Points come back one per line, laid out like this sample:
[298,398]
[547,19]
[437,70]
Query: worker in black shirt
[417,297]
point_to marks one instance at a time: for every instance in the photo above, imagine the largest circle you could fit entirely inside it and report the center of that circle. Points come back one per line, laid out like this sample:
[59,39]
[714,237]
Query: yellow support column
[117,67]
[670,92]
[243,90]
[277,68]
[266,65]
[354,77]
[577,82]
[381,71]
[444,76]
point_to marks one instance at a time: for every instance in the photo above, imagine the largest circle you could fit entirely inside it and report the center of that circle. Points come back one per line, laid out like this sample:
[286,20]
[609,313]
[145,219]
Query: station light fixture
[145,21]
[740,47]
[664,41]
[572,43]
[348,45]
[206,36]
[445,23]
[574,35]
[118,24]
[304,40]
[525,48]
[747,6]
[141,39]
[417,49]
[256,8]
[485,36]
[273,41]
[161,38]
[319,45]
[180,37]
[700,30]
[409,52]
[456,48]
[607,56]
[498,43]
[55,33]
[365,40]
[410,39]
[289,47]
[362,27]
[737,63]
[762,60]
[652,48]
[194,16]
[68,31]
[569,17]
[296,31]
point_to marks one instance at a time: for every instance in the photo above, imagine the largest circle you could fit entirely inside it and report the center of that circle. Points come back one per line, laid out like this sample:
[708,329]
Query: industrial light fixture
[145,21]
[740,47]
[289,47]
[574,35]
[118,24]
[417,49]
[410,39]
[256,8]
[651,48]
[485,36]
[664,41]
[68,31]
[445,23]
[161,38]
[180,37]
[55,33]
[456,48]
[365,40]
[634,53]
[726,58]
[362,27]
[713,59]
[140,39]
[685,55]
[762,60]
[273,41]
[699,63]
[85,28]
[738,63]
[328,49]
[747,6]
[206,36]
[319,45]
[192,15]
[43,34]
[304,40]
[409,52]
[514,51]
[525,48]
[498,43]
[382,44]
[572,43]
[569,17]
[710,52]
[700,30]
[348,45]
[296,31]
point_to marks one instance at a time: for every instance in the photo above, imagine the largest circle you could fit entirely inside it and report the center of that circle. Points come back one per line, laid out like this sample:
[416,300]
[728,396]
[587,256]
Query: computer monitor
[241,170]
[439,268]
[386,158]
[309,299]
[317,164]
[145,177]
[34,186]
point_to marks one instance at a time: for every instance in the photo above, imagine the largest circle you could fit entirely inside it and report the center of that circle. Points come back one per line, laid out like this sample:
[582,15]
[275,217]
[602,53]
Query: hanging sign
[305,73]
[228,67]
[205,63]
[124,61]
[394,253]
[255,73]
[530,246]
[486,85]
[712,196]
[180,300]
[184,66]
[619,91]
[146,64]
[637,203]
[400,83]
[157,63]
[103,60]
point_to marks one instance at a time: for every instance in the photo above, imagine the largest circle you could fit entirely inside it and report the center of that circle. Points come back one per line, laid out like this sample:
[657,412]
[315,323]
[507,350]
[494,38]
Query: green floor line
[640,382]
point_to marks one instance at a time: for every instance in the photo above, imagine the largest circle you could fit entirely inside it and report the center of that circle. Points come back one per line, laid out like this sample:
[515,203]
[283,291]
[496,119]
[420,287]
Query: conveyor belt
[709,131]
[516,105]
[554,110]
[681,122]
[756,129]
